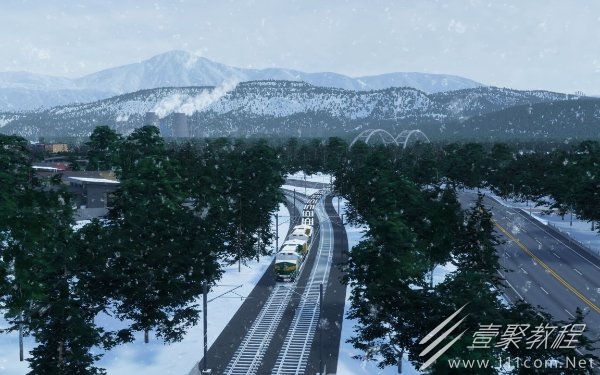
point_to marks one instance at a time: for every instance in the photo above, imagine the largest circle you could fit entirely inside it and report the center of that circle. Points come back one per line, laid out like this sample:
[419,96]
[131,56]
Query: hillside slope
[296,108]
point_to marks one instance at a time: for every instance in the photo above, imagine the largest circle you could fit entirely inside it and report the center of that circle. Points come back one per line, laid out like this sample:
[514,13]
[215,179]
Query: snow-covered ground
[9,352]
[156,358]
[179,358]
[317,177]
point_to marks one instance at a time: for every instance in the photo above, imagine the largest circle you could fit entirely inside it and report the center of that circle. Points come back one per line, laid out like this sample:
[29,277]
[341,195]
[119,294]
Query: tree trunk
[61,351]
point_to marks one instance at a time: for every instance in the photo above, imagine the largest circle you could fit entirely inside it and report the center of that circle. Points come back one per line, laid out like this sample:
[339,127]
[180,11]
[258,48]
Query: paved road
[544,268]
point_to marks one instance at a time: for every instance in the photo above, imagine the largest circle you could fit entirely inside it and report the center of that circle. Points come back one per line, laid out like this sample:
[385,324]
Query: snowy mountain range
[284,108]
[220,100]
[27,91]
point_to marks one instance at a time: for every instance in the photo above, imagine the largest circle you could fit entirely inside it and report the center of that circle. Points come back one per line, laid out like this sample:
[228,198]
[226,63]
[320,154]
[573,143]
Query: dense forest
[407,198]
[179,215]
[184,209]
[408,201]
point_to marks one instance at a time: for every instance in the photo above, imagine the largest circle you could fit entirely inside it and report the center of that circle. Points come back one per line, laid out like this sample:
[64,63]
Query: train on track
[294,250]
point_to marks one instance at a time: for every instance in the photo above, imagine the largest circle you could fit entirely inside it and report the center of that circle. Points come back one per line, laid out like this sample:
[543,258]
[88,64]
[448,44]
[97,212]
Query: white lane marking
[569,313]
[544,290]
[556,255]
[576,270]
[537,224]
[525,272]
[513,288]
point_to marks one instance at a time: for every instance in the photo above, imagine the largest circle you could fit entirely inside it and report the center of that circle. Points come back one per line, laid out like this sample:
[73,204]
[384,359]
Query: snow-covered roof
[96,180]
[41,168]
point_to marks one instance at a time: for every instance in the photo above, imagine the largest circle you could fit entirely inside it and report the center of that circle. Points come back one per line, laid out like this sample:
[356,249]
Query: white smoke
[122,118]
[168,105]
[190,104]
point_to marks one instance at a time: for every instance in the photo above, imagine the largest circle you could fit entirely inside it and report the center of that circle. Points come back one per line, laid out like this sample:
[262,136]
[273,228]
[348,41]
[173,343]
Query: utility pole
[304,183]
[258,247]
[570,210]
[205,371]
[276,232]
[239,248]
[239,234]
[21,336]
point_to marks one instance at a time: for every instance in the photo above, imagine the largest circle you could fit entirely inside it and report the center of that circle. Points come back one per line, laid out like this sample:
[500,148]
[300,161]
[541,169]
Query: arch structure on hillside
[366,136]
[388,139]
[405,136]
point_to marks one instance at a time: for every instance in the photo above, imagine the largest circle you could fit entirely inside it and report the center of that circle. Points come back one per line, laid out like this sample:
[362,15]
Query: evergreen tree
[410,231]
[587,201]
[464,164]
[474,283]
[498,159]
[335,154]
[58,313]
[387,297]
[159,258]
[40,265]
[102,149]
[144,264]
[247,179]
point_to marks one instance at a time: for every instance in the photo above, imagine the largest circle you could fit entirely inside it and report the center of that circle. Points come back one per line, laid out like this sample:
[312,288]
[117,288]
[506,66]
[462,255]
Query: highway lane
[544,268]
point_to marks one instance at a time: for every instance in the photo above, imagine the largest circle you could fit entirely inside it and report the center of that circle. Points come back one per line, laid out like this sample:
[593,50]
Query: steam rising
[190,104]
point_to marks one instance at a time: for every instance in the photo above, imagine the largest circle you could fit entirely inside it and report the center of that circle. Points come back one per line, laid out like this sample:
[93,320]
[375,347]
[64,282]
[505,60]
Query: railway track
[293,356]
[248,357]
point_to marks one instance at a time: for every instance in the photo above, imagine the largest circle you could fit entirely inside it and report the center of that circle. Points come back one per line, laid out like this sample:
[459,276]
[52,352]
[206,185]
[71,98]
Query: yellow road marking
[550,270]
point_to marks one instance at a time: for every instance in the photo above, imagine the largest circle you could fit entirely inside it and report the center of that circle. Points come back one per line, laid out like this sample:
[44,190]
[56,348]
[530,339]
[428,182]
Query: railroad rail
[248,356]
[293,356]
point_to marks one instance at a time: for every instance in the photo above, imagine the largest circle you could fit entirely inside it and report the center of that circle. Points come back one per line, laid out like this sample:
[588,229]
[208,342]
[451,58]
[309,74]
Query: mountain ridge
[287,108]
[180,69]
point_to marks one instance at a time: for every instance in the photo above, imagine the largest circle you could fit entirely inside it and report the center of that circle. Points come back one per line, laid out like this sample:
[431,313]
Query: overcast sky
[523,44]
